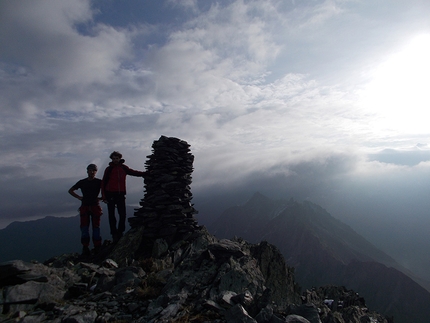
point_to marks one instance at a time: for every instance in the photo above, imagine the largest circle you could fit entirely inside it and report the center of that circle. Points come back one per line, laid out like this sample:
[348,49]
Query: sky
[325,100]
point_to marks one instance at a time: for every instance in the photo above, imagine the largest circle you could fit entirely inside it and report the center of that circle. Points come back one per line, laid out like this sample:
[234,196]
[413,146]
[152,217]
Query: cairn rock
[160,248]
[166,209]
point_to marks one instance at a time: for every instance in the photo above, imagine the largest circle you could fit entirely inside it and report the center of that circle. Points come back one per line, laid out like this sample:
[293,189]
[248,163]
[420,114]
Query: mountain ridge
[324,250]
[329,266]
[42,238]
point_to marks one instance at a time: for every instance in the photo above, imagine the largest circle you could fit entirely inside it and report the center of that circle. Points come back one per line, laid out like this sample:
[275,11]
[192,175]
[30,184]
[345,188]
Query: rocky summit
[197,279]
[167,268]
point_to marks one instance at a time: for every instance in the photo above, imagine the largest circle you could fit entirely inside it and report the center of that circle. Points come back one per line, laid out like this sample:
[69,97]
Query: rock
[125,251]
[109,263]
[244,299]
[34,318]
[18,272]
[264,315]
[105,283]
[237,314]
[226,249]
[85,317]
[214,306]
[11,270]
[197,286]
[308,311]
[277,319]
[160,248]
[127,278]
[295,319]
[24,296]
[279,278]
[226,298]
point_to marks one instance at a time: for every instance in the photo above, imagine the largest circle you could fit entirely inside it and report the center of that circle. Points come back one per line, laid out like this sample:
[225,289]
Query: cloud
[43,37]
[31,196]
[410,157]
[207,82]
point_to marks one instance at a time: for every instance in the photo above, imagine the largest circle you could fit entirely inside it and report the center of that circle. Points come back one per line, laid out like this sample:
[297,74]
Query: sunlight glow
[400,91]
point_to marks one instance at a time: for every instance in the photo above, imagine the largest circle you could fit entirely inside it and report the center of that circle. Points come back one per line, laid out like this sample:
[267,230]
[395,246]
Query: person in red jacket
[113,192]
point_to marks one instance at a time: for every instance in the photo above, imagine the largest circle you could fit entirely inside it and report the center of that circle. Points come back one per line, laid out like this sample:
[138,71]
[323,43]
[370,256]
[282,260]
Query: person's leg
[85,229]
[95,221]
[122,215]
[111,213]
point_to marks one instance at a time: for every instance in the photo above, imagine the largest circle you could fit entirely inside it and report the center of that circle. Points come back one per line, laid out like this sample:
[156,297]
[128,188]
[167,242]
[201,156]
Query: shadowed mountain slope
[326,251]
[42,238]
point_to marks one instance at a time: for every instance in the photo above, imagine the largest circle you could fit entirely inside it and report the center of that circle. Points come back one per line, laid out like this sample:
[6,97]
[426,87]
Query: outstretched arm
[132,172]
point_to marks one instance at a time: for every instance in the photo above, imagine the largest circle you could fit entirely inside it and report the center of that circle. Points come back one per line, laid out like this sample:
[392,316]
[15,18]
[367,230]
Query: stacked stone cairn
[166,211]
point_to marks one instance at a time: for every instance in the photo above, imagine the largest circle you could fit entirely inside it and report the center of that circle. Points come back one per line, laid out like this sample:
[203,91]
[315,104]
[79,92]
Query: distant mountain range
[324,251]
[44,238]
[40,239]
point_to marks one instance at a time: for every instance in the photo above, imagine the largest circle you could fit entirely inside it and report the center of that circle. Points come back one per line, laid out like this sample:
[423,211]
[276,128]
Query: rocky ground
[195,279]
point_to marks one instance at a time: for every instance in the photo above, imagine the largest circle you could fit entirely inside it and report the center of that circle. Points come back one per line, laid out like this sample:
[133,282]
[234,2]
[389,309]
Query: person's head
[91,170]
[116,157]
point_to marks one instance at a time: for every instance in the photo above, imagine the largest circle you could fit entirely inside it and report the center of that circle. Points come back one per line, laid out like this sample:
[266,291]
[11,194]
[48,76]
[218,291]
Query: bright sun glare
[400,91]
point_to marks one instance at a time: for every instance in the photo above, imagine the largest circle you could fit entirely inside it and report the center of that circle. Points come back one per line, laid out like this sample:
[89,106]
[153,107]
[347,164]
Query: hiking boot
[86,251]
[97,249]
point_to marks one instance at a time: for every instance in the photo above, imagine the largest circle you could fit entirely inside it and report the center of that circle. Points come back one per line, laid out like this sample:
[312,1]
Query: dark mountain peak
[323,250]
[257,195]
[255,213]
[339,240]
[287,222]
[257,200]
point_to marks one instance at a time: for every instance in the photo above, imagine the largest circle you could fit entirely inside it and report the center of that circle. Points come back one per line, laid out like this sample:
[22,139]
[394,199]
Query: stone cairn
[166,211]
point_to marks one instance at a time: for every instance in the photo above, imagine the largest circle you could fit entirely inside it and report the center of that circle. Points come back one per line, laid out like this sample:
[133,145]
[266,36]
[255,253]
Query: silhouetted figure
[90,210]
[114,191]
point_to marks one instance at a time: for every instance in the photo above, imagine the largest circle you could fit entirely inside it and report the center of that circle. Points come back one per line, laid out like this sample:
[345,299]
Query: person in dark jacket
[114,191]
[90,210]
